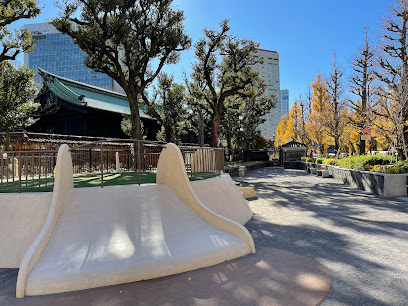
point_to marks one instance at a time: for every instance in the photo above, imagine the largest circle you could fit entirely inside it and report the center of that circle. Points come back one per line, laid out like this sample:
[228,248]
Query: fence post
[101,167]
[1,171]
[39,169]
[19,171]
[138,159]
[90,159]
[117,162]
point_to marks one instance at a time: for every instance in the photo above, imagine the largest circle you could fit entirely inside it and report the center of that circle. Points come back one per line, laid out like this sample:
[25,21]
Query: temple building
[75,108]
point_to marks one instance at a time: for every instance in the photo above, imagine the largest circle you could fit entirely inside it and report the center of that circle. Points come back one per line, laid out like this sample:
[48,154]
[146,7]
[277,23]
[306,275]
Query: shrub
[363,162]
[380,168]
[319,160]
[400,167]
[308,159]
[329,161]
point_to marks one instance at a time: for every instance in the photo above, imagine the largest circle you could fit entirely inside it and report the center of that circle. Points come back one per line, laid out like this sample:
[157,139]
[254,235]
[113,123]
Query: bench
[313,170]
[323,173]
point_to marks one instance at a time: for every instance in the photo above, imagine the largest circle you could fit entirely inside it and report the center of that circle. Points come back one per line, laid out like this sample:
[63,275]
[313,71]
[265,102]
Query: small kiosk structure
[291,152]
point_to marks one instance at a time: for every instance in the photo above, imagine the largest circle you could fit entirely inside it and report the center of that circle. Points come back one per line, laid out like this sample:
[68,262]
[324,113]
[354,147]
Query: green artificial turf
[93,180]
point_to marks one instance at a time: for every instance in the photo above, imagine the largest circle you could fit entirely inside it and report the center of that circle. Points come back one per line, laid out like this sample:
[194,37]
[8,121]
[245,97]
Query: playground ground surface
[359,239]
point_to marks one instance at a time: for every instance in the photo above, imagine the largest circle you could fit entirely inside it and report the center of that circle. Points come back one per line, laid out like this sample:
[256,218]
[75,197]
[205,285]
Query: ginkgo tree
[280,138]
[320,114]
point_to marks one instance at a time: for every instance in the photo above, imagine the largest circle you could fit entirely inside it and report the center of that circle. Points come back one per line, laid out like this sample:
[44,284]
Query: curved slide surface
[222,195]
[127,233]
[119,234]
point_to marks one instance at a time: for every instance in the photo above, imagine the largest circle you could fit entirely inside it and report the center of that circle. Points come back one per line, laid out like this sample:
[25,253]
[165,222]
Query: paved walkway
[362,239]
[270,277]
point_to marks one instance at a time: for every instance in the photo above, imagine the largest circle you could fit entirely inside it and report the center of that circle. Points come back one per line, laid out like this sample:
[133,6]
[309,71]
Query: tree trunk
[7,138]
[201,129]
[321,148]
[135,116]
[215,128]
[336,145]
[245,144]
[229,141]
[167,132]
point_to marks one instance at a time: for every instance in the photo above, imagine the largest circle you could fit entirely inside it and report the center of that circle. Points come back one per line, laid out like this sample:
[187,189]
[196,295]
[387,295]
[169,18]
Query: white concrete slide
[97,237]
[248,192]
[223,196]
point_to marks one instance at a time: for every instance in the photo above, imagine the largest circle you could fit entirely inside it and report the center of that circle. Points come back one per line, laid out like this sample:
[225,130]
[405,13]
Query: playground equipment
[223,196]
[96,237]
[248,192]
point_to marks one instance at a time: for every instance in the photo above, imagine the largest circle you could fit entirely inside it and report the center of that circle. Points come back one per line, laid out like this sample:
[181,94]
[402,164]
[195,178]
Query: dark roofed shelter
[84,110]
[291,151]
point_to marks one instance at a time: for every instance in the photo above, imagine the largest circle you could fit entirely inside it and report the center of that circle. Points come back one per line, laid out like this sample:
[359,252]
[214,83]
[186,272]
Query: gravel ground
[362,239]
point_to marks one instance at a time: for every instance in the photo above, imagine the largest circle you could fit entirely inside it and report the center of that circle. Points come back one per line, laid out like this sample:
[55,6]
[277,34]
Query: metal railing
[20,170]
[27,169]
[142,156]
[104,156]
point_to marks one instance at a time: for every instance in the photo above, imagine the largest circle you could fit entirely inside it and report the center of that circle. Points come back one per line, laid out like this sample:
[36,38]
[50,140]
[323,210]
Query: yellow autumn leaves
[315,122]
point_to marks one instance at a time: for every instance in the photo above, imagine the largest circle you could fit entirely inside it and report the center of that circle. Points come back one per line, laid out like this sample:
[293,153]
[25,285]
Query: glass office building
[58,54]
[284,101]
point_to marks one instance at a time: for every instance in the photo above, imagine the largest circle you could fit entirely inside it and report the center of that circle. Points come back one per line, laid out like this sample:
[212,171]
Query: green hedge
[376,163]
[400,167]
[330,161]
[363,162]
[308,159]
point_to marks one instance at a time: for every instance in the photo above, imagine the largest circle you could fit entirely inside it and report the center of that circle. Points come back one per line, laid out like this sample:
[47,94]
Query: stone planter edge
[394,185]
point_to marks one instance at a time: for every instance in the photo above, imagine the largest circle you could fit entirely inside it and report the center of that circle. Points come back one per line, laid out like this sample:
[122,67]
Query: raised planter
[387,185]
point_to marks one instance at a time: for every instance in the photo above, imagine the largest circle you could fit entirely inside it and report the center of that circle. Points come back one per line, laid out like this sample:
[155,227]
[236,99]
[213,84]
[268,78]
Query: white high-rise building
[269,71]
[284,101]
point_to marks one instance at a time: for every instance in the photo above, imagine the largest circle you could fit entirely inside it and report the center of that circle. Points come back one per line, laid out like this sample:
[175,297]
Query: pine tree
[17,41]
[130,41]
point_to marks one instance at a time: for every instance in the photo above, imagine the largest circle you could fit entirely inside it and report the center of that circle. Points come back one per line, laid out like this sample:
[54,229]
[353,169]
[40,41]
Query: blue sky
[304,33]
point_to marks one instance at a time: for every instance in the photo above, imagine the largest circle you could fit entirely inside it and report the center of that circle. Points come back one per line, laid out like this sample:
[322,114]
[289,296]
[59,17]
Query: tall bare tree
[361,82]
[393,72]
[304,119]
[335,124]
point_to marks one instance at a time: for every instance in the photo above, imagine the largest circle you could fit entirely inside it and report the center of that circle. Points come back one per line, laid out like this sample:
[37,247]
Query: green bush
[319,160]
[308,159]
[363,162]
[329,161]
[380,168]
[400,167]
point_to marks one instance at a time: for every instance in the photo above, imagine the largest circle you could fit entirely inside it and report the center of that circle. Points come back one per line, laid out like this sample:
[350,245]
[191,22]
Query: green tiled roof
[93,97]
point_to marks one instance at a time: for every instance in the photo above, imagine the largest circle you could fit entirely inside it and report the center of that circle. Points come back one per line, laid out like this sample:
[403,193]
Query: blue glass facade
[284,101]
[58,54]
